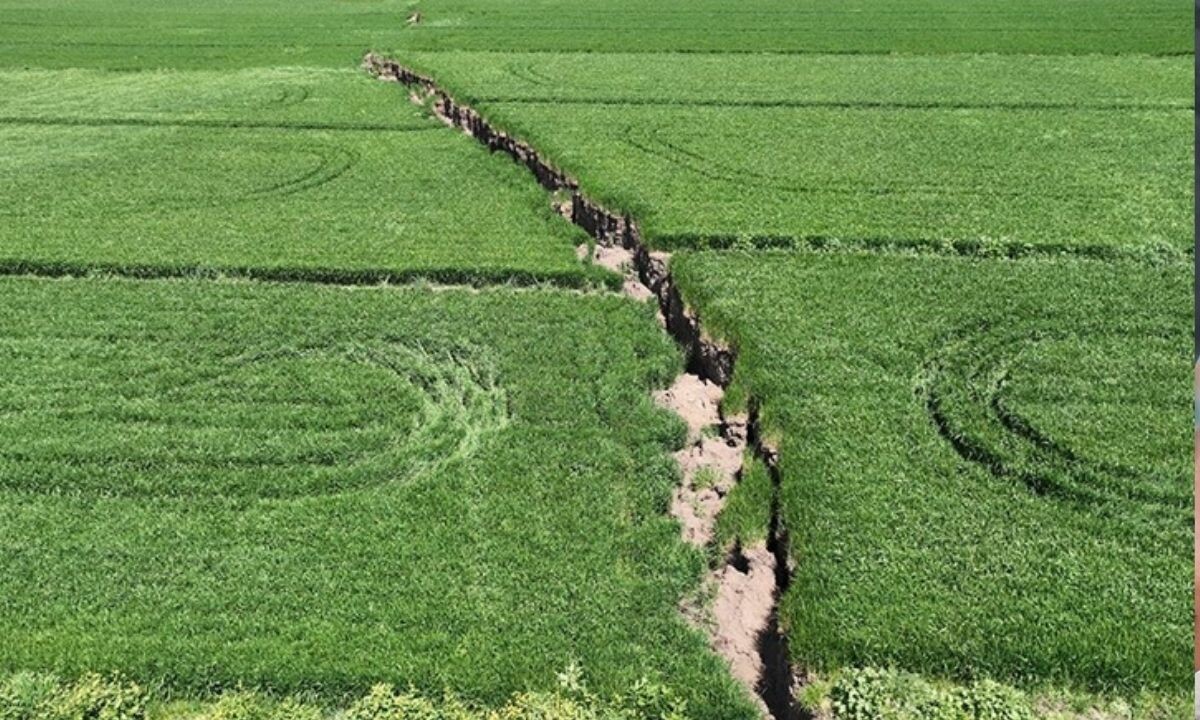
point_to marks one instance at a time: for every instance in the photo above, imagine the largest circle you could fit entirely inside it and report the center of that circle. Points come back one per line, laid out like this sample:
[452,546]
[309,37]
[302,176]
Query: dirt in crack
[742,624]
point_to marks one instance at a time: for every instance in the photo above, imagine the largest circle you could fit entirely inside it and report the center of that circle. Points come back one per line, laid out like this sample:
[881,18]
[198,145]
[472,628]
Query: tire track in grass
[749,582]
[965,386]
[717,170]
[452,402]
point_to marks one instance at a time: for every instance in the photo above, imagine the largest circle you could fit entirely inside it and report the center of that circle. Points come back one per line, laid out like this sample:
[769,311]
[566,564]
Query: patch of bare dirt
[709,463]
[742,612]
[695,400]
[620,260]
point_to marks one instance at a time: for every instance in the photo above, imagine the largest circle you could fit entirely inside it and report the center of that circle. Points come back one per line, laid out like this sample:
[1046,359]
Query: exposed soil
[743,608]
[620,260]
[711,461]
[742,625]
[697,401]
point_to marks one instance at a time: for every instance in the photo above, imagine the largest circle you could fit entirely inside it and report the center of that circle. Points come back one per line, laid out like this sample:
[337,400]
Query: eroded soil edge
[742,623]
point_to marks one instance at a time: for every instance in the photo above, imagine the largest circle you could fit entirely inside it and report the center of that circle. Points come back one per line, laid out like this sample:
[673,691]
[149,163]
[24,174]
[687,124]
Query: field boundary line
[971,249]
[439,278]
[841,104]
[203,123]
[750,580]
[797,51]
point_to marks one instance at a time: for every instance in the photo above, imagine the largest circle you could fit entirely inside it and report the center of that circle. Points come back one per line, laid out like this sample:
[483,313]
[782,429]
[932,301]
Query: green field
[276,173]
[208,484]
[959,151]
[950,241]
[857,26]
[219,34]
[985,464]
[955,81]
[226,34]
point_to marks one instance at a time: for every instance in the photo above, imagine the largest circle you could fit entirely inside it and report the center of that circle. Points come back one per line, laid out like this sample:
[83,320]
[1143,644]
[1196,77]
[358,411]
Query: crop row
[764,80]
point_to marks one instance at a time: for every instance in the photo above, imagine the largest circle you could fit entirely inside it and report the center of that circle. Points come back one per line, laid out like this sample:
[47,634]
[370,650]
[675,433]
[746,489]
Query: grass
[34,696]
[954,81]
[984,463]
[1037,178]
[276,173]
[226,34]
[306,489]
[963,152]
[863,693]
[283,98]
[214,483]
[855,694]
[860,26]
[223,34]
[746,517]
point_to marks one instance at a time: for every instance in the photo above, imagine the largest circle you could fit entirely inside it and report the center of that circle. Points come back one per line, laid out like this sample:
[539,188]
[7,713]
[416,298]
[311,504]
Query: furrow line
[433,278]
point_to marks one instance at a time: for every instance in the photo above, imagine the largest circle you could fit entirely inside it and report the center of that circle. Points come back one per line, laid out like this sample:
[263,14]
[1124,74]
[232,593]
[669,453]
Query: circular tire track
[650,142]
[965,385]
[332,162]
[287,95]
[453,403]
[241,167]
[527,73]
[531,74]
[324,163]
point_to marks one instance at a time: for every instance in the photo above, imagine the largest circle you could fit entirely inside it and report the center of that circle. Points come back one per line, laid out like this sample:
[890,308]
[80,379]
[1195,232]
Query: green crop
[219,34]
[805,26]
[34,696]
[211,484]
[280,98]
[964,153]
[284,174]
[130,35]
[958,81]
[985,466]
[317,489]
[745,518]
[869,693]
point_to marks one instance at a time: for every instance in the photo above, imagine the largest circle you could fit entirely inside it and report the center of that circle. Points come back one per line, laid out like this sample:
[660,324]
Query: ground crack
[744,627]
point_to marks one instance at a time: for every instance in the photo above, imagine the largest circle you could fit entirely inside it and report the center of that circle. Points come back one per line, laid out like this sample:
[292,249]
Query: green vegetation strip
[272,97]
[183,186]
[32,696]
[855,26]
[1076,182]
[316,489]
[224,34]
[857,694]
[966,154]
[872,693]
[870,81]
[984,463]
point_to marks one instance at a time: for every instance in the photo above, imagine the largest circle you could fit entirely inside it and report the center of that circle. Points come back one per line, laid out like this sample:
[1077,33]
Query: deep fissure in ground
[763,573]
